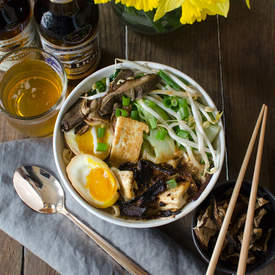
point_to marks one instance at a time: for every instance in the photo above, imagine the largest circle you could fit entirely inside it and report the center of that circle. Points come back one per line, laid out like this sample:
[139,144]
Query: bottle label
[24,39]
[76,59]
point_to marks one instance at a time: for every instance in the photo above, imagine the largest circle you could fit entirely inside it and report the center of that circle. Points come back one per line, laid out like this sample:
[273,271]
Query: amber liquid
[30,89]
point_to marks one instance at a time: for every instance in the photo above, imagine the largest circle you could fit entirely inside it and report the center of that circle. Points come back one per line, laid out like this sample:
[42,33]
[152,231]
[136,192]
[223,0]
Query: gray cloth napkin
[62,244]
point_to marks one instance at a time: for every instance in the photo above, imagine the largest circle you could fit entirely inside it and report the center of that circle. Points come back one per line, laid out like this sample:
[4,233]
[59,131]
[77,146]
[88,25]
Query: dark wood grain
[34,265]
[248,62]
[112,36]
[10,249]
[248,70]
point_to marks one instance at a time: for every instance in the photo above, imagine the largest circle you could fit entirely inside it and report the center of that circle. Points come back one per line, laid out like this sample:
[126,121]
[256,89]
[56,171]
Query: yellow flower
[191,13]
[166,6]
[101,1]
[145,5]
[192,10]
[197,10]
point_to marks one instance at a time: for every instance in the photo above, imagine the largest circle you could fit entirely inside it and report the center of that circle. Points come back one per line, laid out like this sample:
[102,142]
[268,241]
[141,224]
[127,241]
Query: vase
[143,22]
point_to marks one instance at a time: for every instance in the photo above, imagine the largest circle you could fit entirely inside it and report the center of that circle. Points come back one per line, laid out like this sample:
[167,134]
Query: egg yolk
[101,184]
[85,143]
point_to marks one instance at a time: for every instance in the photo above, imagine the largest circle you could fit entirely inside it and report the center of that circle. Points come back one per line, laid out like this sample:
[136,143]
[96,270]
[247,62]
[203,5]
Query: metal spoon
[42,192]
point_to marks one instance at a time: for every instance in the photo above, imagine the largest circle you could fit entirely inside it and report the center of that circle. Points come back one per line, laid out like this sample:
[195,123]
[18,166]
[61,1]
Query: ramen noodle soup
[141,144]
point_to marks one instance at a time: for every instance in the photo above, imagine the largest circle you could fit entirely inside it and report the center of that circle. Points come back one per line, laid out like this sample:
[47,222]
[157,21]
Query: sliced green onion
[174,102]
[100,85]
[118,113]
[121,112]
[91,92]
[134,114]
[157,109]
[101,132]
[114,75]
[171,183]
[184,111]
[102,147]
[168,80]
[126,100]
[153,122]
[124,112]
[182,102]
[167,102]
[161,134]
[183,134]
[139,75]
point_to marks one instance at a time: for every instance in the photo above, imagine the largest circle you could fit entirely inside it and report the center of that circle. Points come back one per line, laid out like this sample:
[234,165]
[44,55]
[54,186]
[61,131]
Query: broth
[30,88]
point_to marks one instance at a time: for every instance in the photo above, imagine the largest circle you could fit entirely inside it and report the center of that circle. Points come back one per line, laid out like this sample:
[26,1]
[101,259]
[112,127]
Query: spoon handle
[119,257]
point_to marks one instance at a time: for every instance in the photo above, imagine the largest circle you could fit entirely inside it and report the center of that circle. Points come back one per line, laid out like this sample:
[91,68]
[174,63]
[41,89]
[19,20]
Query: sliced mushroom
[122,75]
[91,108]
[73,117]
[134,88]
[81,128]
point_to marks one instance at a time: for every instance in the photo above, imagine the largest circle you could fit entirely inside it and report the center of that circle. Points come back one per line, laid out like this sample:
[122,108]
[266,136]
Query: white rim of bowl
[104,215]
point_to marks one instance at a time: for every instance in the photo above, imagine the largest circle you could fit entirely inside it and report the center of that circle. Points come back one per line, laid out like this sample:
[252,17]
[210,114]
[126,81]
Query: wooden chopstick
[252,201]
[219,244]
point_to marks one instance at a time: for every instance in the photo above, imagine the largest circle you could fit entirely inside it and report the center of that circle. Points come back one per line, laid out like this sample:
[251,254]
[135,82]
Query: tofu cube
[127,140]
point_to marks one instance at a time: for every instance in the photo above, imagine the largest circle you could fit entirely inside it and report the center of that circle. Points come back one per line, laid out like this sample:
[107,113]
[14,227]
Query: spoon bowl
[39,189]
[42,192]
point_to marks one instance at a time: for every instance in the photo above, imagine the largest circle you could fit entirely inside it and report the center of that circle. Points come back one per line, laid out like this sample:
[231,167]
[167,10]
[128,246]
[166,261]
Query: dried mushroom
[151,180]
[73,117]
[134,88]
[209,223]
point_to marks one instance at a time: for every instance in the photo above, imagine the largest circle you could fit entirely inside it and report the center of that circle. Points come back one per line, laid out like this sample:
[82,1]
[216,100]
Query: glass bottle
[16,27]
[68,29]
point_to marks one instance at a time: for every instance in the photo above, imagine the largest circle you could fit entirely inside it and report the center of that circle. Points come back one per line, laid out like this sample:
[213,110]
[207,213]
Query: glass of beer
[32,89]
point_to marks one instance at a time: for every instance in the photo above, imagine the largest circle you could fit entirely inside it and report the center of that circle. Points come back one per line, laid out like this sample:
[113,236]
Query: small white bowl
[58,146]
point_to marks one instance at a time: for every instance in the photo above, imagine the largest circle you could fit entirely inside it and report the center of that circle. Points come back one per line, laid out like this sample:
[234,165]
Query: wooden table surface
[234,61]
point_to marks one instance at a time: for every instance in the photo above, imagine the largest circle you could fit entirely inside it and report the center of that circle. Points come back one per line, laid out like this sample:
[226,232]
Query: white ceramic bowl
[58,146]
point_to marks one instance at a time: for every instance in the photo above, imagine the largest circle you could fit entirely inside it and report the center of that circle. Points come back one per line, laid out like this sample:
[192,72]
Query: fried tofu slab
[127,140]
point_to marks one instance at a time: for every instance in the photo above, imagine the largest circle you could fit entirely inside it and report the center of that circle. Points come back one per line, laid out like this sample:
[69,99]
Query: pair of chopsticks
[252,200]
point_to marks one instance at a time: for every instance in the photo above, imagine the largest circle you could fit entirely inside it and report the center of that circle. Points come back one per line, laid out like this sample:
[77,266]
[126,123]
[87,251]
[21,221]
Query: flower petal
[165,6]
[145,5]
[213,7]
[191,13]
[101,1]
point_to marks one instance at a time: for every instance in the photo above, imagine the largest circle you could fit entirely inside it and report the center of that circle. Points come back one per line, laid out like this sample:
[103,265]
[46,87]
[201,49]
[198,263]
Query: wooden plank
[248,61]
[34,265]
[10,255]
[112,36]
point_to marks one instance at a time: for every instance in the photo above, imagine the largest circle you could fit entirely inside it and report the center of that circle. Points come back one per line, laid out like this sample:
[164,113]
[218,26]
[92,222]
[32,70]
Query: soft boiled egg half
[96,141]
[93,180]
